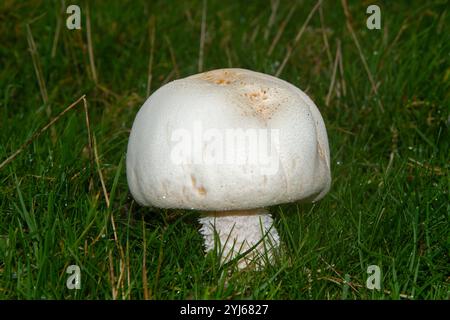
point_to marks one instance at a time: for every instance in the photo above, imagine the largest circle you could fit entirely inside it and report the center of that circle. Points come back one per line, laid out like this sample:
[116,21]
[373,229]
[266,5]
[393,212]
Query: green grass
[393,215]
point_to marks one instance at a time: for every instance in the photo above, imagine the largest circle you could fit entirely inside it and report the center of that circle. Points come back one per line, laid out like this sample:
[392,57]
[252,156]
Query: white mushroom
[229,142]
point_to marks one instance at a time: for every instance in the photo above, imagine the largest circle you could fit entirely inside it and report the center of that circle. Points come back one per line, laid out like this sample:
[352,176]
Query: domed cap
[227,139]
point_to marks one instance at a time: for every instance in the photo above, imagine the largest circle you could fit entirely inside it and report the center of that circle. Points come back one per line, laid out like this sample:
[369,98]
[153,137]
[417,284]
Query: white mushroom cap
[162,171]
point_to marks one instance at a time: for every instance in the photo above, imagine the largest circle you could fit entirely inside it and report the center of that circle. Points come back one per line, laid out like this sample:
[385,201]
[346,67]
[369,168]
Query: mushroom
[229,143]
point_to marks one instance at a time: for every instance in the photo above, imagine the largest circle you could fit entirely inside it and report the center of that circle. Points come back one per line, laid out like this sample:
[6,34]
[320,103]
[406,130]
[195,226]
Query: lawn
[64,200]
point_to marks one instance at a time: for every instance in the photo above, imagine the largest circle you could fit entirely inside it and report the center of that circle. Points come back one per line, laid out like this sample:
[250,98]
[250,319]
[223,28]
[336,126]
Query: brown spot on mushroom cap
[220,77]
[320,151]
[200,189]
[256,98]
[262,101]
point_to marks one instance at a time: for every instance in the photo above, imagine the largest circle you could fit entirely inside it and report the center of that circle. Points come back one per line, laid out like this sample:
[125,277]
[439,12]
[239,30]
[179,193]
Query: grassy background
[389,201]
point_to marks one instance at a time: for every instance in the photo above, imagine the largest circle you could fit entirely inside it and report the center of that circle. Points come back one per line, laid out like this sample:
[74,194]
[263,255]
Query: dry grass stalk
[333,77]
[281,29]
[361,55]
[297,38]
[202,38]
[90,47]
[152,27]
[274,8]
[39,132]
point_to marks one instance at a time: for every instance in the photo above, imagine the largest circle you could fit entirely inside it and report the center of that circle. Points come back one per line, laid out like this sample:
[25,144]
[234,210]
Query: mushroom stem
[246,232]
